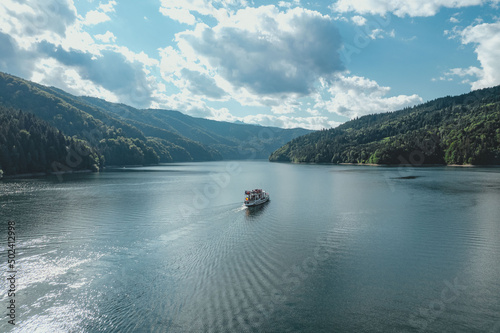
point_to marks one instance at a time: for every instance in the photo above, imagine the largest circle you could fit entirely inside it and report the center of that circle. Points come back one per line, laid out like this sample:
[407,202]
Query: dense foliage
[451,130]
[31,145]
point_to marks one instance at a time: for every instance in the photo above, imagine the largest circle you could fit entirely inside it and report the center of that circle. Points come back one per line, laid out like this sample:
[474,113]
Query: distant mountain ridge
[456,130]
[123,135]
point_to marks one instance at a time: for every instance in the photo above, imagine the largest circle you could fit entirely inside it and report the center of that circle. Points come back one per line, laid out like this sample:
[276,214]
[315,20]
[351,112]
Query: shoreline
[425,165]
[44,174]
[400,165]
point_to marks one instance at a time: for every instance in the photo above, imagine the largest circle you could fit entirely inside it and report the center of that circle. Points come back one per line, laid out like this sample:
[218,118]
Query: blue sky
[312,64]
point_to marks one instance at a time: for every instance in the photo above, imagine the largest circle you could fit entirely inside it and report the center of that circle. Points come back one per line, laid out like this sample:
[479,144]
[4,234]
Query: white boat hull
[256,202]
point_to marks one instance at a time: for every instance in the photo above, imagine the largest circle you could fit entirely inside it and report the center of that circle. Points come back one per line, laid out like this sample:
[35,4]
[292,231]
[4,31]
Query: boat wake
[240,209]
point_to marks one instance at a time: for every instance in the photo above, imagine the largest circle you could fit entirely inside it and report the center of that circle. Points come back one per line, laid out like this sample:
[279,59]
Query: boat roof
[257,190]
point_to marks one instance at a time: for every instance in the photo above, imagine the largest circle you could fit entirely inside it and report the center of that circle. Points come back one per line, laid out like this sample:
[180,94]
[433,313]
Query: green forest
[460,130]
[114,134]
[30,145]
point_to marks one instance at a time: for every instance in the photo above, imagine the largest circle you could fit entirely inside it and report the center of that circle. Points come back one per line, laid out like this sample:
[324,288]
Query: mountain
[459,130]
[123,135]
[231,140]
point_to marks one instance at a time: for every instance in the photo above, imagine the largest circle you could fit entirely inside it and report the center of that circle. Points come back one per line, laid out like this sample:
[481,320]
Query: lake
[171,248]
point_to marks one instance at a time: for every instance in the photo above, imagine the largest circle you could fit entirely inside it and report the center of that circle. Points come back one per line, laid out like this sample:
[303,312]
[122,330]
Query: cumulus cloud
[13,59]
[354,96]
[184,11]
[100,15]
[201,84]
[111,70]
[465,73]
[106,37]
[359,20]
[45,41]
[198,108]
[486,38]
[189,76]
[191,105]
[266,51]
[27,22]
[262,57]
[52,73]
[381,34]
[312,123]
[412,8]
[95,17]
[108,7]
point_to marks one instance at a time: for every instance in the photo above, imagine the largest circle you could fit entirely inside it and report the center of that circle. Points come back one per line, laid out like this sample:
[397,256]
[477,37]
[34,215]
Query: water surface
[170,248]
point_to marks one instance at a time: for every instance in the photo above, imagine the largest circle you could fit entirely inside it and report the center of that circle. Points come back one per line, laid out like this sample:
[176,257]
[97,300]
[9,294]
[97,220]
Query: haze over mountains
[120,134]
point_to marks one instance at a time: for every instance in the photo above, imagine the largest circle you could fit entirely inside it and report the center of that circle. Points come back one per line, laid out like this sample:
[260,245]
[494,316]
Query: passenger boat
[256,197]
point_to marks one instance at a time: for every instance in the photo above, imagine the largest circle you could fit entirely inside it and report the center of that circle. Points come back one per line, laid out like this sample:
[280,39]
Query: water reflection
[255,211]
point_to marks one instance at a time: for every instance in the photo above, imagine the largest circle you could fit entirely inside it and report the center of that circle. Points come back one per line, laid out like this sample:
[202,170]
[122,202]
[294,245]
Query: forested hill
[30,145]
[122,135]
[459,130]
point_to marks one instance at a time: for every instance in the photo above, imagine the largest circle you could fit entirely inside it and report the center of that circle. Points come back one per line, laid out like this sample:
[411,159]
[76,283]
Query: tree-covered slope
[31,145]
[451,130]
[99,128]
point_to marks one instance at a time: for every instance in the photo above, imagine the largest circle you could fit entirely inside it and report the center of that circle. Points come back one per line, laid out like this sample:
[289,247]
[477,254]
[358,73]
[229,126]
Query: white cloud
[359,20]
[46,41]
[14,59]
[313,112]
[95,17]
[109,7]
[52,73]
[462,72]
[187,75]
[261,57]
[202,84]
[115,69]
[381,34]
[377,33]
[106,37]
[191,105]
[486,38]
[287,106]
[312,123]
[285,4]
[198,108]
[181,15]
[466,74]
[28,22]
[222,114]
[412,8]
[266,51]
[184,11]
[354,96]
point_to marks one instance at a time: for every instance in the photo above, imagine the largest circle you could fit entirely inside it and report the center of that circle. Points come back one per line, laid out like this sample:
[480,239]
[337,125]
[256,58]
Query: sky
[297,63]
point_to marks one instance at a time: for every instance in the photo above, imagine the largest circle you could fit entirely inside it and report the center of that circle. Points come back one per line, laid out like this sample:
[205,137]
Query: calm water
[338,249]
